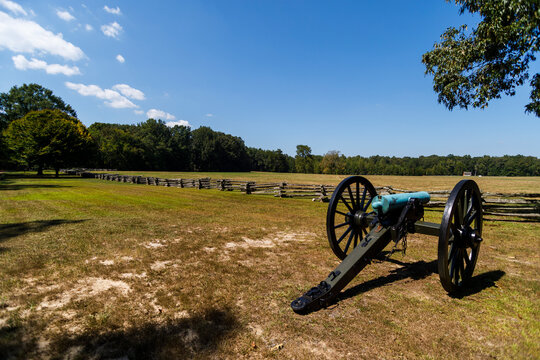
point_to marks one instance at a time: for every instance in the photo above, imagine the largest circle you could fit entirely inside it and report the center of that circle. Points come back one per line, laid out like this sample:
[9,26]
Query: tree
[117,147]
[473,68]
[215,151]
[332,163]
[304,159]
[19,101]
[48,138]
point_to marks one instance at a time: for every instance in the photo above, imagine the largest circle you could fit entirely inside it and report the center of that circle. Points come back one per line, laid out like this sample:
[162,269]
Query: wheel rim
[460,235]
[346,219]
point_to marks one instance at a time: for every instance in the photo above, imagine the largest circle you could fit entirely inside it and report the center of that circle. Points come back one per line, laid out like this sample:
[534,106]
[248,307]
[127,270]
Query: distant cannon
[360,224]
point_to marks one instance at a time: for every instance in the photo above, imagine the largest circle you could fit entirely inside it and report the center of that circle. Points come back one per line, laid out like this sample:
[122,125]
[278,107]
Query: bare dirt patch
[83,289]
[153,245]
[271,241]
[160,265]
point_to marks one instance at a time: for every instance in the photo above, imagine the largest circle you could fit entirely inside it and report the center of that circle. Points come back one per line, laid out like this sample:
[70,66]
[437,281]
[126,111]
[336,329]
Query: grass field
[97,269]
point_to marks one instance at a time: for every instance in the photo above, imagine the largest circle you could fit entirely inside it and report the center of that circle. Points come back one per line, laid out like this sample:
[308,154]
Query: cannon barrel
[382,204]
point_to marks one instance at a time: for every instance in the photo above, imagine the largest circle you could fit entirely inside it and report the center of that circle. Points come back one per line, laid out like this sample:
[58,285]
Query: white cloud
[65,15]
[19,35]
[13,7]
[129,92]
[209,115]
[89,27]
[120,59]
[115,11]
[22,63]
[159,114]
[112,98]
[179,123]
[112,30]
[138,112]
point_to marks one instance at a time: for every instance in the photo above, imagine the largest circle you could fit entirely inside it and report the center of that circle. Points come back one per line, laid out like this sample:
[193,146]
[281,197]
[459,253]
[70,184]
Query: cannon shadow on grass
[197,336]
[417,271]
[479,282]
[8,231]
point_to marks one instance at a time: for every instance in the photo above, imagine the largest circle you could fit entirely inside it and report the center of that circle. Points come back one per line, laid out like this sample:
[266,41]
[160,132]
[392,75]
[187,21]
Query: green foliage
[270,160]
[517,165]
[48,138]
[216,151]
[470,68]
[19,101]
[332,163]
[304,159]
[150,145]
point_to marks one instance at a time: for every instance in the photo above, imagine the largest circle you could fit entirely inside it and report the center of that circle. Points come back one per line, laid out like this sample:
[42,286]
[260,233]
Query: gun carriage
[360,224]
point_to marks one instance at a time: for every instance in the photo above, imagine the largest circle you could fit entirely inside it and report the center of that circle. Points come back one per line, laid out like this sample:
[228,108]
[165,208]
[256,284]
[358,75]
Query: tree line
[38,130]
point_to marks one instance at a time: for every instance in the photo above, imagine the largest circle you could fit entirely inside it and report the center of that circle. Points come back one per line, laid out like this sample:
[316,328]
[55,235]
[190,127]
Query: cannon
[360,224]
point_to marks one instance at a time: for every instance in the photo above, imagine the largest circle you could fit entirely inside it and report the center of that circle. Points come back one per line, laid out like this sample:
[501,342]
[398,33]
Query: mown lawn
[97,269]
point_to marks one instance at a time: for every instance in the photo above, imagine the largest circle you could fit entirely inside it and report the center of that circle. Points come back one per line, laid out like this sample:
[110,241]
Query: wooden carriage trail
[497,206]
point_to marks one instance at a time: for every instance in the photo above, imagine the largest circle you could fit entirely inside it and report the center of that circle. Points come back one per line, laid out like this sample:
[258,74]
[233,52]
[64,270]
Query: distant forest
[151,145]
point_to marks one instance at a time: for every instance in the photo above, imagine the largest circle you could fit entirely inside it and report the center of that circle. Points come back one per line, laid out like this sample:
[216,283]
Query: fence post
[324,195]
[282,189]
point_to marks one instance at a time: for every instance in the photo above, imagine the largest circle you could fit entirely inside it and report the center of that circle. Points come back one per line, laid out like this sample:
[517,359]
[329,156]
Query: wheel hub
[359,219]
[467,237]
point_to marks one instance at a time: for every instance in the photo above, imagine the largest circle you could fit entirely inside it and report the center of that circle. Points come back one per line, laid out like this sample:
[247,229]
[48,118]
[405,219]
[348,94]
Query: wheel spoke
[358,195]
[453,249]
[466,257]
[465,203]
[344,234]
[471,217]
[364,231]
[355,239]
[367,205]
[363,199]
[348,242]
[342,213]
[340,225]
[453,229]
[458,215]
[461,267]
[351,196]
[456,269]
[452,266]
[346,203]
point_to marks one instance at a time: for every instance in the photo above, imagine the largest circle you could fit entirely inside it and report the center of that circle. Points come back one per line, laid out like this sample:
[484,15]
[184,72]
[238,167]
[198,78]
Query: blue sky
[335,75]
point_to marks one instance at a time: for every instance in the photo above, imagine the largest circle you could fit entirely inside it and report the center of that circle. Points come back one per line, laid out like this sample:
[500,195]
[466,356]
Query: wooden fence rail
[496,205]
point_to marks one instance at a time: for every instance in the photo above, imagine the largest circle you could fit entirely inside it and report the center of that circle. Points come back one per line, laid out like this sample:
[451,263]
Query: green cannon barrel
[382,204]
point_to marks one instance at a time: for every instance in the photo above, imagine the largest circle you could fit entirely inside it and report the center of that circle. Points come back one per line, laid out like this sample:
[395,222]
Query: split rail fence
[497,206]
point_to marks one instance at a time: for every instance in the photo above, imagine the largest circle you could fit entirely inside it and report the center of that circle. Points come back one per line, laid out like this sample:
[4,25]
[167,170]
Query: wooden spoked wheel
[346,219]
[460,235]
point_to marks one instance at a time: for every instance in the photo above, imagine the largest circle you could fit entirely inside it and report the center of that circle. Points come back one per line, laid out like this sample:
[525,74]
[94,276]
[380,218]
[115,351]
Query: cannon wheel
[460,235]
[346,224]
